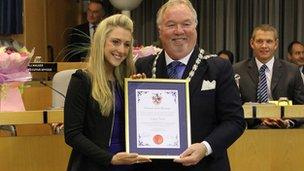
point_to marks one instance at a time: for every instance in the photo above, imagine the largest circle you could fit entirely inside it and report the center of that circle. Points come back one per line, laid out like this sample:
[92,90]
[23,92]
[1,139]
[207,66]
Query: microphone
[237,78]
[45,84]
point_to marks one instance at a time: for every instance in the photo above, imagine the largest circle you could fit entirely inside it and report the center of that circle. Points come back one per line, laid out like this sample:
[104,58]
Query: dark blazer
[286,81]
[85,129]
[79,36]
[216,115]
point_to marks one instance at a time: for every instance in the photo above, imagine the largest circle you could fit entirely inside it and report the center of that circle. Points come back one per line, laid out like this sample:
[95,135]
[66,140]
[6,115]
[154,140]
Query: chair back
[60,83]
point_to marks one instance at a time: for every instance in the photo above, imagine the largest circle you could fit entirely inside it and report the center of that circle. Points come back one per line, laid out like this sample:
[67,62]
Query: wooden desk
[36,96]
[268,150]
[33,153]
[255,150]
[27,122]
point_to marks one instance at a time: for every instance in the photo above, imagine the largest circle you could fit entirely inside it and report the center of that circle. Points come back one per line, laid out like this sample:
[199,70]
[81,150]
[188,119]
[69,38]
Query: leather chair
[60,84]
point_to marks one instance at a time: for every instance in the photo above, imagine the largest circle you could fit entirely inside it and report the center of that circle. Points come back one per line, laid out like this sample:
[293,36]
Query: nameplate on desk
[42,67]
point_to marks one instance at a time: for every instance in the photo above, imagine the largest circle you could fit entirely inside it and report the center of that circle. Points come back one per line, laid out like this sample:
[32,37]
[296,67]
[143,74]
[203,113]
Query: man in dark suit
[216,112]
[80,36]
[296,55]
[282,79]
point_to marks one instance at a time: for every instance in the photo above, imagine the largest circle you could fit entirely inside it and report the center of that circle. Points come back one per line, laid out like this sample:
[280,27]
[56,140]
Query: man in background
[80,36]
[265,77]
[226,54]
[296,55]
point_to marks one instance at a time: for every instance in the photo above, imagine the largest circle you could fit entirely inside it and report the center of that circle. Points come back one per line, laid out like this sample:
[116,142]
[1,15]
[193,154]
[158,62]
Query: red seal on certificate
[158,139]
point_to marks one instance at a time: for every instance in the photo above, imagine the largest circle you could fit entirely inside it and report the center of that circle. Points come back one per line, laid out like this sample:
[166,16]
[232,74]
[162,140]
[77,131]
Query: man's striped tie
[262,95]
[172,69]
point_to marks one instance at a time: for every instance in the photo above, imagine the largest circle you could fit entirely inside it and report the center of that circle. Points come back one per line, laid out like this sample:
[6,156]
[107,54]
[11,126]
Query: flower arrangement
[14,64]
[139,52]
[13,72]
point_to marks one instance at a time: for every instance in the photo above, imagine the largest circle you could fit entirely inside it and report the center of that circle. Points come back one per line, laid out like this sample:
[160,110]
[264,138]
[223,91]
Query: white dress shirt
[302,73]
[91,28]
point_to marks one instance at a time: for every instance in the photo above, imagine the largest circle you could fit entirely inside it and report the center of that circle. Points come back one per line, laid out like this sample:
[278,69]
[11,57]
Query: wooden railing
[268,110]
[267,150]
[51,116]
[31,117]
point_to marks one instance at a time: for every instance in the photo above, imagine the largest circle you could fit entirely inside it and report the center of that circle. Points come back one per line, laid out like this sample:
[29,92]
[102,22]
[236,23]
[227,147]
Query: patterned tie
[172,69]
[262,86]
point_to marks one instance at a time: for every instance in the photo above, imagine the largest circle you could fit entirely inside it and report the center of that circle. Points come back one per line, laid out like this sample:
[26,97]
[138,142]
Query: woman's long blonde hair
[101,90]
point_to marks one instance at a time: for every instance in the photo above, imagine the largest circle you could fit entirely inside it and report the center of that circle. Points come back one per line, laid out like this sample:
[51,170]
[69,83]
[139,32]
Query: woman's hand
[138,76]
[124,158]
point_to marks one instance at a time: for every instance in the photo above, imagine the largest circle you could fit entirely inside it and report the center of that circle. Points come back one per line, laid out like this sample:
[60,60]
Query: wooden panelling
[35,26]
[33,129]
[70,65]
[61,16]
[45,22]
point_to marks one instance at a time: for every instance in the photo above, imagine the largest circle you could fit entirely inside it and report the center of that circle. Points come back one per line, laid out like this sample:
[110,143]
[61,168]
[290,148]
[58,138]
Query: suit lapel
[199,73]
[190,62]
[253,71]
[277,72]
[161,71]
[85,28]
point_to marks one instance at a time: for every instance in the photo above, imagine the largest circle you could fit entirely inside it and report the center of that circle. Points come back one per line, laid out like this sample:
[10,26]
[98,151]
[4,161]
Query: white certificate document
[157,118]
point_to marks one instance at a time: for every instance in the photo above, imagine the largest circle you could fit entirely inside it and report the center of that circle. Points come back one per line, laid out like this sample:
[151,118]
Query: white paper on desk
[157,118]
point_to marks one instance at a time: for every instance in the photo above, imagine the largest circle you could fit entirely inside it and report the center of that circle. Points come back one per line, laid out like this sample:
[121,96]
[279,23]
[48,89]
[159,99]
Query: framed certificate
[157,117]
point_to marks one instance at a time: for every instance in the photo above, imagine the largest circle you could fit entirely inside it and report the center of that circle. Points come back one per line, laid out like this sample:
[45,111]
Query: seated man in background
[296,55]
[265,77]
[226,54]
[80,36]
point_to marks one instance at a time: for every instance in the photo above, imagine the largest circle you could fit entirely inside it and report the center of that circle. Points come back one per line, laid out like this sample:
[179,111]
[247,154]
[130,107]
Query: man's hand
[192,155]
[275,122]
[124,158]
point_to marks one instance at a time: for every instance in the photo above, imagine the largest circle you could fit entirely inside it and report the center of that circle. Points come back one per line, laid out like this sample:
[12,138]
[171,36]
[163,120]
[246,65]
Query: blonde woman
[94,112]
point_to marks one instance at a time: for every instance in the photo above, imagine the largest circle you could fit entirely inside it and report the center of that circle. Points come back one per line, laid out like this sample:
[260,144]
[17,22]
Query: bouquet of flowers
[13,72]
[14,64]
[139,52]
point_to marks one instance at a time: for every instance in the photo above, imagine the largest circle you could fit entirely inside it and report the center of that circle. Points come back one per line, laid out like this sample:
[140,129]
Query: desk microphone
[45,84]
[237,78]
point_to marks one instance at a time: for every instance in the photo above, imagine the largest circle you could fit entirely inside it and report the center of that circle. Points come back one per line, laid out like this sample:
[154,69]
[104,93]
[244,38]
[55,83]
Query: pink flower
[24,54]
[10,50]
[139,52]
[14,64]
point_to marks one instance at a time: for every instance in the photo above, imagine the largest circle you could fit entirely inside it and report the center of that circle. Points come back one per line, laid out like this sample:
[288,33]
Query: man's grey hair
[171,3]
